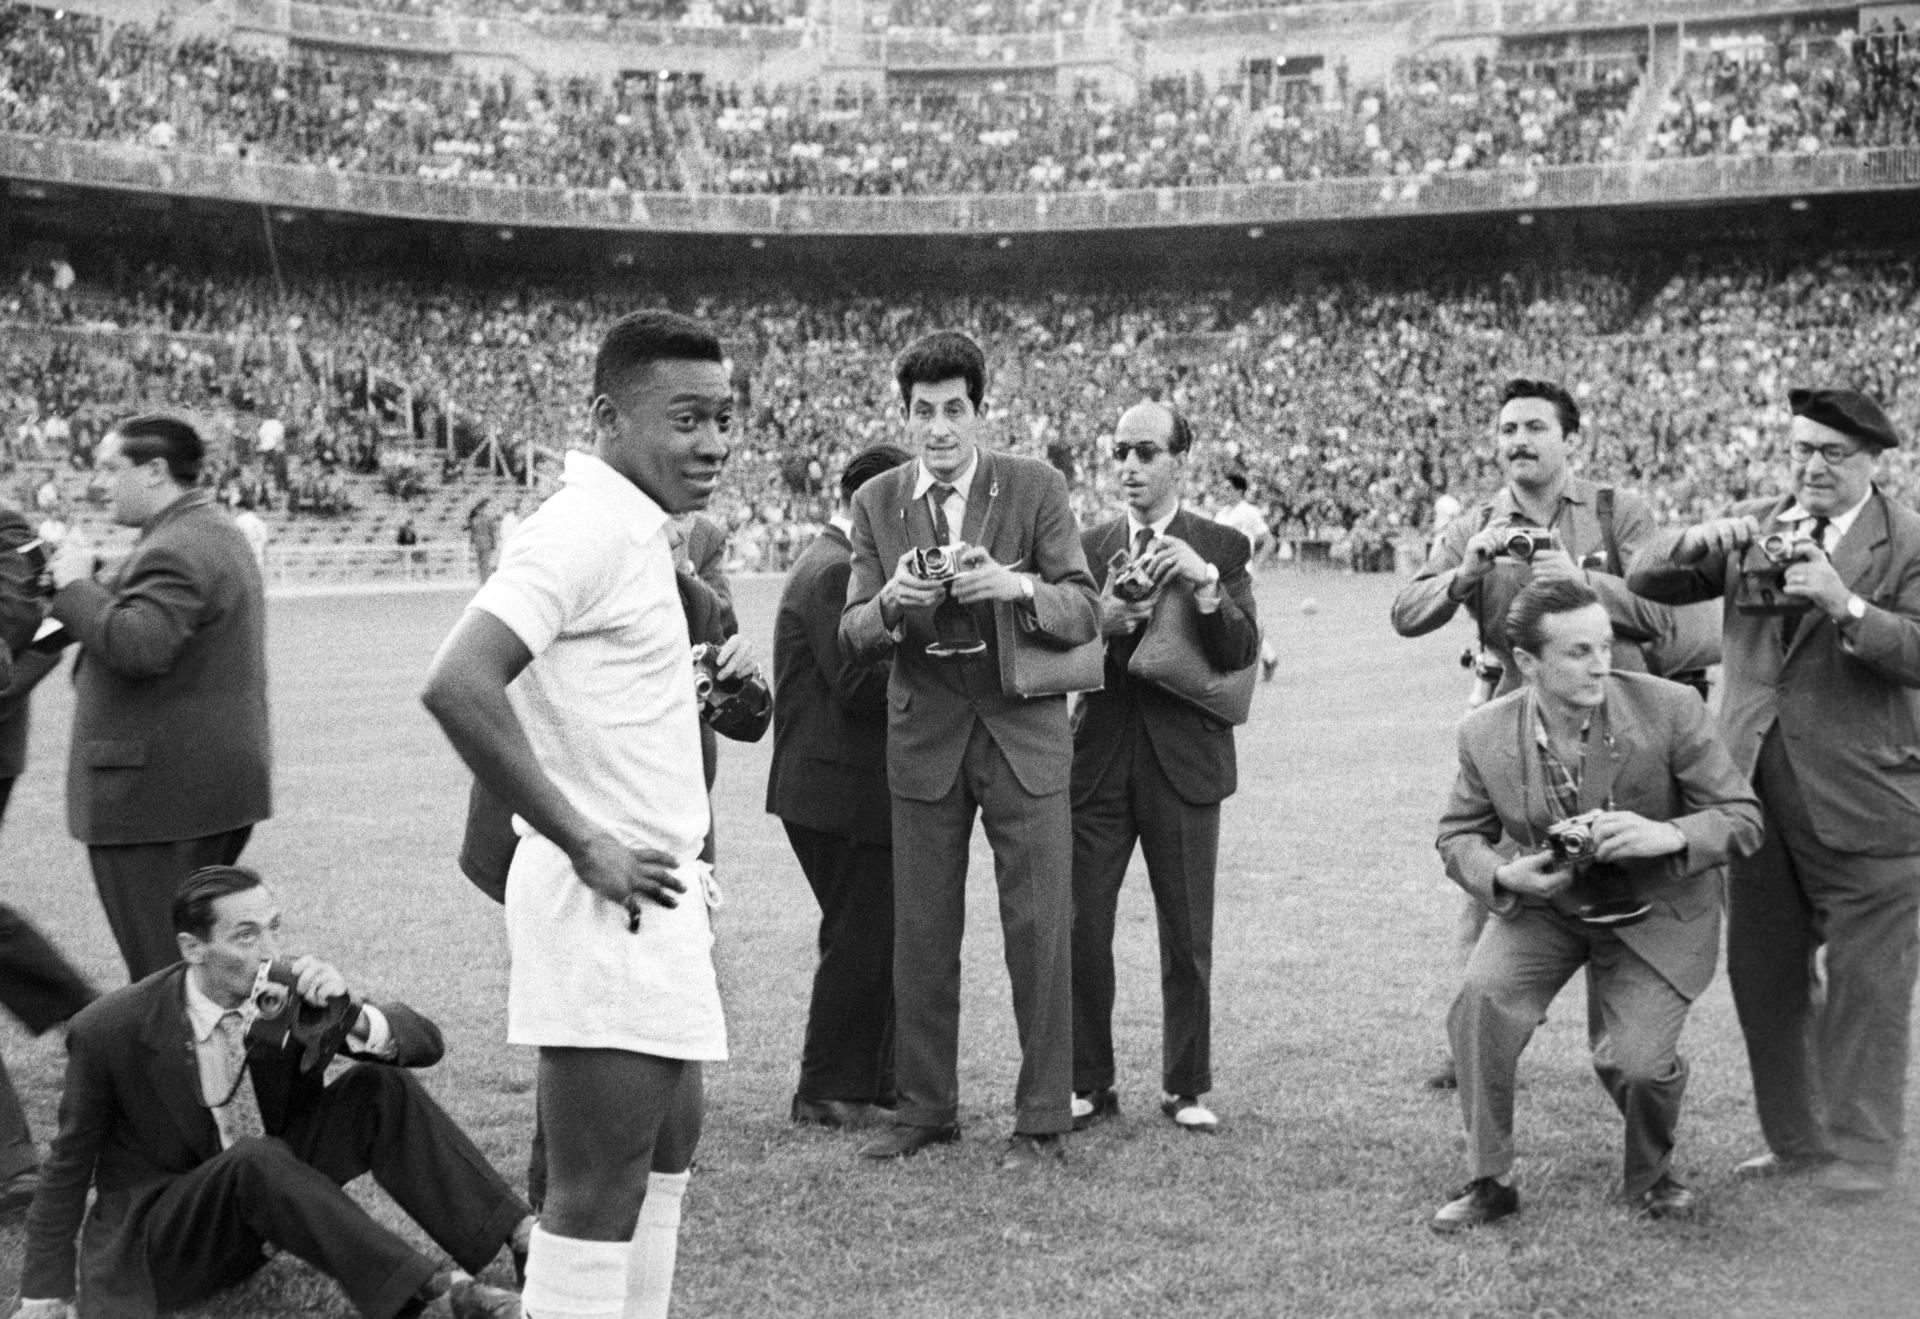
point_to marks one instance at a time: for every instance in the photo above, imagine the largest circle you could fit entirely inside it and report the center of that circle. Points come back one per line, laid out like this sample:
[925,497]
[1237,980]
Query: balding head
[1149,444]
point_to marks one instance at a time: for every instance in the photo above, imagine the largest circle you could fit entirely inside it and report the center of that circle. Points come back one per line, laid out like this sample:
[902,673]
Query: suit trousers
[206,1229]
[848,1053]
[1828,1079]
[38,986]
[136,883]
[1032,846]
[1135,800]
[1634,1022]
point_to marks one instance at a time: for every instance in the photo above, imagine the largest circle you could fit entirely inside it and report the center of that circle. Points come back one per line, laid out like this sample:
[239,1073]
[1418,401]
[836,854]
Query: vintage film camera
[283,1021]
[1523,543]
[1600,894]
[1129,579]
[1763,574]
[728,705]
[940,563]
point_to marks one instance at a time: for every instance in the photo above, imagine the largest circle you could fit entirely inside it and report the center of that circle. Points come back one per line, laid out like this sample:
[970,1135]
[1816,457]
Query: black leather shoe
[840,1114]
[1092,1107]
[1481,1201]
[903,1142]
[1026,1154]
[1669,1199]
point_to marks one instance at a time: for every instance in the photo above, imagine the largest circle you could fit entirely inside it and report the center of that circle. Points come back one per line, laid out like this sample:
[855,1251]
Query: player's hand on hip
[1630,836]
[629,876]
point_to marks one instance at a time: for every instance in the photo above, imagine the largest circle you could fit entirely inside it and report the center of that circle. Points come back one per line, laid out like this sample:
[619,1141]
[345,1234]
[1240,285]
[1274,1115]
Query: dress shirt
[370,1035]
[955,504]
[1838,524]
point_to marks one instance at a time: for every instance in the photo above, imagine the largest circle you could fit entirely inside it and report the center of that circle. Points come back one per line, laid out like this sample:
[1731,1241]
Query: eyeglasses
[1833,454]
[1145,451]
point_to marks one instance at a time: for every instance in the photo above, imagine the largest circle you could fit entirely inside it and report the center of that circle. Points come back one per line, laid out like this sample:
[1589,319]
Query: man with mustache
[1594,534]
[1822,709]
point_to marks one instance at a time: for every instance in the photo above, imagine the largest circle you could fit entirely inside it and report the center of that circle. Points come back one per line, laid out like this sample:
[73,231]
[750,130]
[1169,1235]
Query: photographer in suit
[170,760]
[1822,709]
[1593,815]
[37,984]
[958,745]
[1151,768]
[828,785]
[206,1143]
[1595,532]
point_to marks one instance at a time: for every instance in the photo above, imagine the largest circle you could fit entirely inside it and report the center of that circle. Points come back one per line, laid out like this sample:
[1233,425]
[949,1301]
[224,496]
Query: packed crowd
[690,13]
[1349,408]
[1798,95]
[64,76]
[979,17]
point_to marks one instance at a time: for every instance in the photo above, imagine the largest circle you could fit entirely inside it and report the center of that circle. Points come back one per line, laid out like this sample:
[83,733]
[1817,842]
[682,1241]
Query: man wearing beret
[1822,708]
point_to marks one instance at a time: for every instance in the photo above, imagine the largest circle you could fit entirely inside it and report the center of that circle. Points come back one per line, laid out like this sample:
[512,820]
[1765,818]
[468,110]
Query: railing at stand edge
[1440,18]
[301,187]
[499,34]
[314,565]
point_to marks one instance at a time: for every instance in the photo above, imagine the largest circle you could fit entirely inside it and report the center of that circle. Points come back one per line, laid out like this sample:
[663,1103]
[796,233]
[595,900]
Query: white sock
[568,1278]
[656,1244]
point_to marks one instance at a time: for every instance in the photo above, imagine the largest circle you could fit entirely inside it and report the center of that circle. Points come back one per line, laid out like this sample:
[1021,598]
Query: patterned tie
[942,529]
[242,1109]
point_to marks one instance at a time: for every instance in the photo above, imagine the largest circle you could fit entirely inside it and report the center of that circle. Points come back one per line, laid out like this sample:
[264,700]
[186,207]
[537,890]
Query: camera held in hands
[283,1021]
[939,563]
[1524,543]
[1763,573]
[1129,579]
[1600,894]
[729,706]
[1487,672]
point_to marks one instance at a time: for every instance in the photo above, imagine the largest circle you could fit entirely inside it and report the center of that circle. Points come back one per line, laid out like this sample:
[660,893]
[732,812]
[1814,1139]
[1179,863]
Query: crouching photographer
[197,1107]
[1593,815]
[1821,586]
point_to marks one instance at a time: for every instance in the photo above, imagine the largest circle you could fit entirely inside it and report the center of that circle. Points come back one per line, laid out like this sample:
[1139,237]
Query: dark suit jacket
[1663,762]
[829,767]
[132,1119]
[170,733]
[1017,510]
[1845,700]
[1194,748]
[706,554]
[20,613]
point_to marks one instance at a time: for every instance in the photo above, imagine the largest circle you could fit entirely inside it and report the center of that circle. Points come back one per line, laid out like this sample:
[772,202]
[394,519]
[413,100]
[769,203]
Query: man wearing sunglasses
[1821,709]
[1152,769]
[1474,564]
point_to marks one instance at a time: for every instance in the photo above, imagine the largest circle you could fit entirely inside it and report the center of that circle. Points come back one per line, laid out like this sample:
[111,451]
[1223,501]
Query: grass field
[1330,989]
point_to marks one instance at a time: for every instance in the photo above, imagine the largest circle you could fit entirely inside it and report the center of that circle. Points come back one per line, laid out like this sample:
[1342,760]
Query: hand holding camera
[1785,571]
[983,579]
[72,561]
[919,581]
[1122,615]
[1542,875]
[1720,536]
[1630,836]
[302,1004]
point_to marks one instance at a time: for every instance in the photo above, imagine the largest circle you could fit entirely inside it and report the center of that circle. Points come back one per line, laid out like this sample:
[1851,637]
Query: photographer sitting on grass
[210,1136]
[1593,816]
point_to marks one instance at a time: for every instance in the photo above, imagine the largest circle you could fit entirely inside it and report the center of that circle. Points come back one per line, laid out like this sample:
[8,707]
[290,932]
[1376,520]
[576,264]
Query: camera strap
[1529,752]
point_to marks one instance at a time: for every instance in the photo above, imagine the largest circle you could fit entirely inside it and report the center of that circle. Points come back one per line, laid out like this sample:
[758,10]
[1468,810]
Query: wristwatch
[1026,586]
[1213,578]
[1856,608]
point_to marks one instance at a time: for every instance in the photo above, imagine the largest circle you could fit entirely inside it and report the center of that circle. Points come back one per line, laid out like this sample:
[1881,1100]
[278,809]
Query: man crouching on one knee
[1593,814]
[208,1135]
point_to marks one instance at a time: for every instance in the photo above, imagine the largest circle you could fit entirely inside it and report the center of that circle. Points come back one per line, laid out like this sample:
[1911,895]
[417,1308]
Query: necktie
[242,1109]
[1819,532]
[1141,539]
[942,529]
[1790,623]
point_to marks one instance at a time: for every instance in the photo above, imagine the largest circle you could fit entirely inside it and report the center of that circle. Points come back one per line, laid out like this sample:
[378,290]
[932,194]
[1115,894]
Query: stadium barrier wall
[332,565]
[305,187]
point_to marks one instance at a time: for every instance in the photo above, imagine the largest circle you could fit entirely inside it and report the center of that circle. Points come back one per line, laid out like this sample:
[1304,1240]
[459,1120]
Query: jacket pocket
[115,755]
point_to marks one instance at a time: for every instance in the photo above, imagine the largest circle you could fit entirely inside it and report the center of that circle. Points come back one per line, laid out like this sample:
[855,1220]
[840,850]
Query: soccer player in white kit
[567,687]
